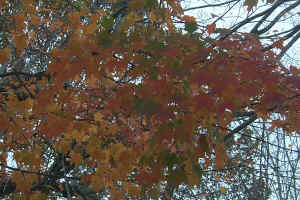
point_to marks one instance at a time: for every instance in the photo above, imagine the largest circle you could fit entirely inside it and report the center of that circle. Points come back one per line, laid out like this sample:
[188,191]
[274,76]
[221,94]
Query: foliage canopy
[117,98]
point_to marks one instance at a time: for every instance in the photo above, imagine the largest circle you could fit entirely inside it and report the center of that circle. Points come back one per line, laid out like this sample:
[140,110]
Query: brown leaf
[221,157]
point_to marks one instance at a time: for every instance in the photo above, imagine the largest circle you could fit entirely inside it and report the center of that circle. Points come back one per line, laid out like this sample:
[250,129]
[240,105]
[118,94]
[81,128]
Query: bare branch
[293,40]
[275,20]
[211,5]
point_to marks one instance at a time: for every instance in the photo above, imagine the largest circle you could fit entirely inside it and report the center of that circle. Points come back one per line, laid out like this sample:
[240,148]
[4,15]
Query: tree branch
[275,20]
[210,5]
[239,128]
[288,46]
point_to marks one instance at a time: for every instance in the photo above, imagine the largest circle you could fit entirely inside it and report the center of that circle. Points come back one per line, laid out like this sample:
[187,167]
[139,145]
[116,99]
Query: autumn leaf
[88,109]
[92,28]
[221,157]
[56,25]
[190,26]
[223,190]
[20,22]
[250,4]
[4,55]
[187,18]
[270,1]
[38,196]
[211,28]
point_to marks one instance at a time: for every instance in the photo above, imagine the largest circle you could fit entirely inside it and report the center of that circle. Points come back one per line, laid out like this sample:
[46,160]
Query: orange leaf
[4,55]
[56,25]
[20,22]
[92,28]
[223,190]
[221,157]
[187,18]
[211,28]
[76,158]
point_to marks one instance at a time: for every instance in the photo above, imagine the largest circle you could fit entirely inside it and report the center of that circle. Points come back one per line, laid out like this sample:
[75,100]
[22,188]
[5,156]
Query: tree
[274,22]
[275,156]
[110,98]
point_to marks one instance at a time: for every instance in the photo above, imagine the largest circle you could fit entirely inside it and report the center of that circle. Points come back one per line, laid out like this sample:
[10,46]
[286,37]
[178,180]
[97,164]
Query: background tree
[273,22]
[277,145]
[104,98]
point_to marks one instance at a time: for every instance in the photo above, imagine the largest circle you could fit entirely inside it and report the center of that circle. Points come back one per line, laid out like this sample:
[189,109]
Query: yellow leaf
[20,22]
[98,117]
[113,128]
[35,20]
[92,28]
[130,20]
[93,129]
[132,189]
[38,196]
[31,158]
[20,40]
[31,35]
[169,20]
[223,190]
[79,136]
[75,19]
[116,194]
[63,146]
[153,17]
[117,149]
[84,11]
[53,108]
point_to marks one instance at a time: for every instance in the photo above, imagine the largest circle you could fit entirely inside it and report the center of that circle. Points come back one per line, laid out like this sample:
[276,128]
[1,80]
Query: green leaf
[105,39]
[147,159]
[170,159]
[176,177]
[154,73]
[78,4]
[186,87]
[198,171]
[107,23]
[150,3]
[154,45]
[146,106]
[190,26]
[152,144]
[174,123]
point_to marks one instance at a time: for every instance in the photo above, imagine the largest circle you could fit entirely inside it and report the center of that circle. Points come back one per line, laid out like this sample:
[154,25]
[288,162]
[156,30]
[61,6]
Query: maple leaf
[250,4]
[211,28]
[4,55]
[221,157]
[190,26]
[131,109]
[187,18]
[223,190]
